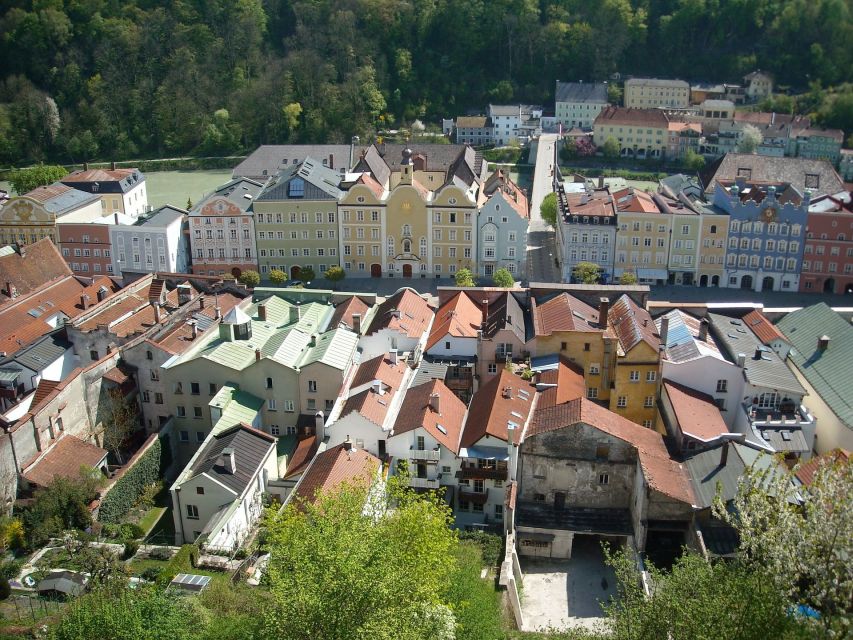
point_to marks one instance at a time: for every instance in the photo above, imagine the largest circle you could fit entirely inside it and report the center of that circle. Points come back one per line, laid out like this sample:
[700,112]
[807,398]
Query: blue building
[766,234]
[502,228]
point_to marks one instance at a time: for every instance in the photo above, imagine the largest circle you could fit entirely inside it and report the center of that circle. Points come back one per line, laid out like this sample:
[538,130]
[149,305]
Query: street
[541,246]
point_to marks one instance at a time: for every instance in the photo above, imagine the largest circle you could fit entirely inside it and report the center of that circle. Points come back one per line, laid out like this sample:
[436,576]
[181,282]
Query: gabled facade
[402,322]
[504,338]
[28,218]
[502,228]
[120,190]
[457,328]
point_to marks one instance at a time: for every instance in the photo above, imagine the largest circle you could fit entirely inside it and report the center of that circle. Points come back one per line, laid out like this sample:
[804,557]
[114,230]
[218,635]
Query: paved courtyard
[567,594]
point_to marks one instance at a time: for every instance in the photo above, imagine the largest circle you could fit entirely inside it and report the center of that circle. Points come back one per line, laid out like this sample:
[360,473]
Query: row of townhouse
[773,225]
[502,125]
[424,213]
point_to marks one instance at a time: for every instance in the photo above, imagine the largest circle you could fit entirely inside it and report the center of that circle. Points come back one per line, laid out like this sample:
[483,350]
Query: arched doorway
[715,281]
[236,272]
[767,283]
[375,270]
[746,282]
[703,281]
[829,285]
[407,270]
[294,272]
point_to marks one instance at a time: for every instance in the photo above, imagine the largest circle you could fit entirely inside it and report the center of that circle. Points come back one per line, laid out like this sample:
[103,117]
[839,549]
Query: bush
[130,531]
[5,589]
[127,491]
[182,562]
[490,544]
[505,155]
[10,569]
[241,554]
[130,549]
[151,574]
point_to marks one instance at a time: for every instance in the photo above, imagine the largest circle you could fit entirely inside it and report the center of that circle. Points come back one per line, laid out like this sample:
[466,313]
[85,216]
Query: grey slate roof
[439,157]
[235,191]
[269,159]
[250,448]
[792,171]
[582,519]
[42,352]
[657,82]
[830,372]
[428,371]
[581,92]
[768,370]
[506,312]
[69,201]
[161,217]
[321,183]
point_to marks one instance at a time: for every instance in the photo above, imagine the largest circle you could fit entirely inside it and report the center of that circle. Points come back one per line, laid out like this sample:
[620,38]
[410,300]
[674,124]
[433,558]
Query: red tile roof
[40,263]
[180,337]
[406,312]
[500,182]
[64,459]
[696,412]
[345,310]
[766,331]
[43,390]
[368,181]
[632,117]
[569,381]
[632,200]
[563,312]
[497,403]
[334,467]
[370,403]
[416,411]
[459,317]
[99,175]
[806,471]
[632,324]
[47,192]
[302,455]
[662,472]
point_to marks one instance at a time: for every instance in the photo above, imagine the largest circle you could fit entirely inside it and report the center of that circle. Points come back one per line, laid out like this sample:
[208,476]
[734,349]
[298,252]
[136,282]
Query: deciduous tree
[548,209]
[750,139]
[277,276]
[464,278]
[587,272]
[250,278]
[628,277]
[503,278]
[335,274]
[611,148]
[25,180]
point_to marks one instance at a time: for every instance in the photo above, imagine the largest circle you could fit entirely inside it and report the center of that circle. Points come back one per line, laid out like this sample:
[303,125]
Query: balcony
[499,473]
[477,497]
[424,455]
[423,483]
[794,416]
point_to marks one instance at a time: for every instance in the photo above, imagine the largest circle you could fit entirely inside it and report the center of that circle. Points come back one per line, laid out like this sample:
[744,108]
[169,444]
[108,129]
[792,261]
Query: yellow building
[637,363]
[642,237]
[32,216]
[641,133]
[649,93]
[571,328]
[713,236]
[413,217]
[296,220]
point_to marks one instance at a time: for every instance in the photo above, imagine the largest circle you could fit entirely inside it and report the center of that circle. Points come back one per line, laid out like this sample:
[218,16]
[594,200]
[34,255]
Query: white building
[153,243]
[586,228]
[576,104]
[506,123]
[502,224]
[401,322]
[120,190]
[219,493]
[457,329]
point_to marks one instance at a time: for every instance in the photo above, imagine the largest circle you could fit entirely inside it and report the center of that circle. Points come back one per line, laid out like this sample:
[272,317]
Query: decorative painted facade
[29,218]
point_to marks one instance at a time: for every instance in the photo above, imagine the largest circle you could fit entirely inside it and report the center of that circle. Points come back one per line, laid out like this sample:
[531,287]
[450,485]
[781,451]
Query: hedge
[126,491]
[184,561]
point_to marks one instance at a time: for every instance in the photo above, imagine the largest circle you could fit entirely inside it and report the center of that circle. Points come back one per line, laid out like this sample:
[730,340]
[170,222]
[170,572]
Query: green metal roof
[333,348]
[829,371]
[237,406]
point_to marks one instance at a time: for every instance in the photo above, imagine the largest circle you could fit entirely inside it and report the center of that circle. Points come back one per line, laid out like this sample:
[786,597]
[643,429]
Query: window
[622,402]
[158,398]
[288,406]
[271,404]
[651,376]
[211,388]
[312,386]
[184,436]
[182,411]
[146,397]
[649,402]
[634,376]
[594,368]
[199,436]
[592,393]
[196,412]
[493,368]
[722,386]
[269,383]
[199,490]
[603,478]
[194,388]
[192,512]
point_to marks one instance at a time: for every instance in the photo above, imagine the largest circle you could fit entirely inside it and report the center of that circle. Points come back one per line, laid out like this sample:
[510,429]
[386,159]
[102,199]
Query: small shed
[62,584]
[190,582]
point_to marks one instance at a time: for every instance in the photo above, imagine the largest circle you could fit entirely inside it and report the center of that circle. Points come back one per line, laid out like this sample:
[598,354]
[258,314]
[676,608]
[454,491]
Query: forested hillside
[110,79]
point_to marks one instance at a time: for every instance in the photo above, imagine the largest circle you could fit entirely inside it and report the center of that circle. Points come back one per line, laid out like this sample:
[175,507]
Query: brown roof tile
[40,263]
[766,331]
[303,454]
[43,390]
[47,192]
[372,403]
[696,412]
[459,317]
[569,381]
[334,467]
[806,471]
[180,337]
[632,200]
[632,117]
[632,324]
[416,411]
[495,405]
[563,312]
[406,312]
[99,175]
[64,459]
[662,472]
[345,310]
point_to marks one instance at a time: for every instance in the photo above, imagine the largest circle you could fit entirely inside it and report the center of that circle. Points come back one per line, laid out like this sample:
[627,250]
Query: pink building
[828,258]
[86,246]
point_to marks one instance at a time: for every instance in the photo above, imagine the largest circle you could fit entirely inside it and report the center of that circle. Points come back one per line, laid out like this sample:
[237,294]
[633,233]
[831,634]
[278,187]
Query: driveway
[565,594]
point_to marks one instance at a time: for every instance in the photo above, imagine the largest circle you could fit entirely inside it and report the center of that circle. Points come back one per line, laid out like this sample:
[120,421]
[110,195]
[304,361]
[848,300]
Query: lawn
[59,558]
[475,601]
[151,517]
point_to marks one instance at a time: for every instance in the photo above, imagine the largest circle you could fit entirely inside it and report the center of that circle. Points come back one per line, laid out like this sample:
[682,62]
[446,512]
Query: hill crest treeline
[103,79]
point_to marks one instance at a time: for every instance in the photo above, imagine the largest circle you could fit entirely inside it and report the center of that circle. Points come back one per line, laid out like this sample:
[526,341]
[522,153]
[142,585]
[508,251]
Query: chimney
[84,301]
[510,433]
[313,342]
[393,356]
[157,315]
[603,309]
[194,326]
[113,165]
[257,355]
[319,421]
[724,453]
[823,343]
[295,312]
[262,312]
[757,355]
[356,323]
[507,393]
[376,386]
[347,444]
[353,141]
[102,293]
[218,313]
[201,302]
[485,310]
[115,217]
[664,330]
[600,182]
[741,360]
[185,294]
[227,460]
[331,161]
[703,329]
[435,402]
